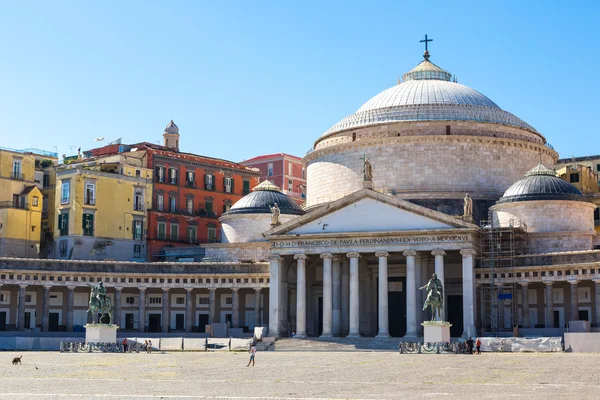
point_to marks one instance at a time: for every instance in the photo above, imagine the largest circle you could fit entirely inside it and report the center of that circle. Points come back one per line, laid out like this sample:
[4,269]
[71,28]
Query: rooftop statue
[275,211]
[99,302]
[368,171]
[468,207]
[435,298]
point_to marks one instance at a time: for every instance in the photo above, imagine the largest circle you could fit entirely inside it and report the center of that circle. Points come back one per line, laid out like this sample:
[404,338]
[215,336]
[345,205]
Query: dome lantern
[171,136]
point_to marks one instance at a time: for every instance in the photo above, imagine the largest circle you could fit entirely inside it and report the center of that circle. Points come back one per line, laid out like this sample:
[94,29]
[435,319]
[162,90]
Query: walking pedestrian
[150,346]
[146,345]
[124,345]
[252,354]
[470,343]
[478,346]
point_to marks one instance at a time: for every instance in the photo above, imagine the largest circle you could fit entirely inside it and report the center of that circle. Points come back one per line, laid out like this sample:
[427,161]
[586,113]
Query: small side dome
[262,198]
[172,128]
[541,183]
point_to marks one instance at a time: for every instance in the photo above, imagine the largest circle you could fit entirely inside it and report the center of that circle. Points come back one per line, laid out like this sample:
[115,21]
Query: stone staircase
[330,344]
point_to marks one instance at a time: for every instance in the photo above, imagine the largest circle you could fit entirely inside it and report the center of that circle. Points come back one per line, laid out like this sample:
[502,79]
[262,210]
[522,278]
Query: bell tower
[171,136]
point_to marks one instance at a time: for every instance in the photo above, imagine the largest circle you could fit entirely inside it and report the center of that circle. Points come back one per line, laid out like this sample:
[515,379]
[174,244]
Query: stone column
[345,294]
[327,295]
[354,318]
[439,271]
[189,311]
[166,321]
[574,301]
[300,295]
[21,307]
[597,313]
[274,296]
[46,309]
[235,308]
[383,319]
[418,302]
[549,305]
[117,307]
[525,303]
[142,310]
[337,296]
[468,285]
[70,304]
[257,292]
[411,295]
[212,305]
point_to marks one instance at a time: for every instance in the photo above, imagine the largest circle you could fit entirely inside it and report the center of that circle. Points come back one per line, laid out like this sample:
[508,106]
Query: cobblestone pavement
[299,375]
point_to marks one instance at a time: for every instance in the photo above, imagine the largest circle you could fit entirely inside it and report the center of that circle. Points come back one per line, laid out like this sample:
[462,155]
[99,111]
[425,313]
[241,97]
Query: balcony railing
[14,204]
[191,184]
[200,213]
[17,175]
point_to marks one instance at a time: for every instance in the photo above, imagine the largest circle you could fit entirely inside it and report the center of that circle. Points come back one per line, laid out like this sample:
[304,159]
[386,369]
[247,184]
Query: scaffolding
[499,246]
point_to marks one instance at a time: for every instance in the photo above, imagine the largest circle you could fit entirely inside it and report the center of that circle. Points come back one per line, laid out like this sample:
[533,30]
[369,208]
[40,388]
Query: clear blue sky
[246,78]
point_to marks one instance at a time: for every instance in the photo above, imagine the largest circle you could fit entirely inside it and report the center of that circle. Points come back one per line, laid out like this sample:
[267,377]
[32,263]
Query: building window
[174,233]
[65,192]
[226,207]
[63,224]
[172,204]
[160,174]
[16,171]
[138,226]
[212,234]
[62,248]
[46,180]
[138,173]
[303,172]
[89,195]
[45,207]
[179,300]
[137,251]
[160,202]
[190,206]
[173,176]
[190,181]
[270,169]
[246,189]
[228,185]
[162,230]
[203,300]
[155,300]
[290,168]
[574,178]
[208,182]
[88,224]
[209,208]
[192,234]
[290,185]
[34,201]
[130,300]
[138,200]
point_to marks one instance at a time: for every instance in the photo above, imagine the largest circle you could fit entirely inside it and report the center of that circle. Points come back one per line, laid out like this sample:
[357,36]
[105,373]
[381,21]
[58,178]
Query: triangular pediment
[368,211]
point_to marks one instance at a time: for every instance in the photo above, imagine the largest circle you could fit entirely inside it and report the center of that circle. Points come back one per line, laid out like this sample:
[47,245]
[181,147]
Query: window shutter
[225,184]
[91,222]
[156,173]
[84,220]
[232,186]
[60,221]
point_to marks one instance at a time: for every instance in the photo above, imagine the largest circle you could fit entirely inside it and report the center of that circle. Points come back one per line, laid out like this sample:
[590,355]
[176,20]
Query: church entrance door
[397,306]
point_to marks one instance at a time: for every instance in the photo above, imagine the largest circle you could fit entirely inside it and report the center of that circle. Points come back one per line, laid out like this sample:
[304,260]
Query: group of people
[470,344]
[147,346]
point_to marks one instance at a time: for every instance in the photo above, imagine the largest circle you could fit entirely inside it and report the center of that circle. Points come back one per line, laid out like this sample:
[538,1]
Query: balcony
[17,176]
[89,202]
[190,184]
[207,214]
[14,204]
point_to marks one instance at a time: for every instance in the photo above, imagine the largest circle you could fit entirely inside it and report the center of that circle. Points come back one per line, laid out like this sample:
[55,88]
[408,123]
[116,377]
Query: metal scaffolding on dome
[498,302]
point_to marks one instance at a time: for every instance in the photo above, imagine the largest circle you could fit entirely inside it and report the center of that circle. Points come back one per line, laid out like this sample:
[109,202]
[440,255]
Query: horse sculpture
[97,305]
[435,296]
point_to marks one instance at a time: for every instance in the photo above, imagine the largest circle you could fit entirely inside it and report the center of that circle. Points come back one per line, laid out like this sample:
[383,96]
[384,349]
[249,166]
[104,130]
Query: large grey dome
[428,93]
[541,183]
[262,198]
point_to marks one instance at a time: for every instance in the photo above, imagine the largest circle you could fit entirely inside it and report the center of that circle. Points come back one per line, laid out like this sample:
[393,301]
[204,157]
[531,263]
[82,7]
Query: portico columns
[574,301]
[337,296]
[21,307]
[354,323]
[300,295]
[345,303]
[165,311]
[70,303]
[235,307]
[597,287]
[257,292]
[383,330]
[549,305]
[142,310]
[189,316]
[46,310]
[327,295]
[468,285]
[212,305]
[525,304]
[274,296]
[411,295]
[439,271]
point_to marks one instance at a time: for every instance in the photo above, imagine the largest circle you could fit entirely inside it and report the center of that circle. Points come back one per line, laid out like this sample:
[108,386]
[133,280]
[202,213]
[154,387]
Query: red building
[190,193]
[284,170]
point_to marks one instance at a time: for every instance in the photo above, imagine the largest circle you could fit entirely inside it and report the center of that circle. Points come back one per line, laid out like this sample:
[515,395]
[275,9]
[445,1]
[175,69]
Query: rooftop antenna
[71,147]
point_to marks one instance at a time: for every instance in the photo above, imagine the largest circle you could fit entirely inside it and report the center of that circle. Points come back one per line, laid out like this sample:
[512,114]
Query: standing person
[252,354]
[146,345]
[470,343]
[125,345]
[478,346]
[150,346]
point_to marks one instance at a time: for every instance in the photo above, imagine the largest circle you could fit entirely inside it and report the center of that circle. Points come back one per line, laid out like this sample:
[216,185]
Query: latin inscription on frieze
[369,241]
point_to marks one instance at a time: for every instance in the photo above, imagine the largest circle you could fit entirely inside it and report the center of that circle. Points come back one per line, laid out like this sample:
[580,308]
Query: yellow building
[21,201]
[100,208]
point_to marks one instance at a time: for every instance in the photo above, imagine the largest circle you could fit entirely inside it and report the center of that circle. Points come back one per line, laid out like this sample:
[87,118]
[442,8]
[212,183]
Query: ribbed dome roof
[262,198]
[428,94]
[541,183]
[172,128]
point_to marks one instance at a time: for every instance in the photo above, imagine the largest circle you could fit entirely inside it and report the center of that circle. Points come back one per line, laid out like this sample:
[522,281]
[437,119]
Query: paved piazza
[298,375]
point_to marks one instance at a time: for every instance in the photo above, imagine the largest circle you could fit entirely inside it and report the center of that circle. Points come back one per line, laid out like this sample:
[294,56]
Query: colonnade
[333,283]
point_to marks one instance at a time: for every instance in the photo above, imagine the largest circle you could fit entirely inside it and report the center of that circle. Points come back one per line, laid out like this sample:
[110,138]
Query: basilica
[428,176]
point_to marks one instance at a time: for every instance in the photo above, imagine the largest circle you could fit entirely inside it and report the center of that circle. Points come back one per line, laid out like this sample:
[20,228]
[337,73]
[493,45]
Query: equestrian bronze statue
[99,302]
[435,298]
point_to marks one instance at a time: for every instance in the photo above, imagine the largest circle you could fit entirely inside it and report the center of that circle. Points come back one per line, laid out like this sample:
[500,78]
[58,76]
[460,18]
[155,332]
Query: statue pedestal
[436,331]
[101,333]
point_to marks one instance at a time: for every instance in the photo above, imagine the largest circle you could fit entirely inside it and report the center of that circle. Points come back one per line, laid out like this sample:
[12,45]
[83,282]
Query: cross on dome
[426,40]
